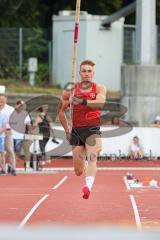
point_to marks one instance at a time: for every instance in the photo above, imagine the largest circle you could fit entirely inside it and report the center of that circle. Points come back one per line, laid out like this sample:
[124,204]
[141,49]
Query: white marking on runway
[25,220]
[60,183]
[70,169]
[126,183]
[136,213]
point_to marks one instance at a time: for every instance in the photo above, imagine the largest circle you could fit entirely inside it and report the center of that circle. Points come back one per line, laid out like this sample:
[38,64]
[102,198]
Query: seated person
[156,122]
[136,149]
[116,121]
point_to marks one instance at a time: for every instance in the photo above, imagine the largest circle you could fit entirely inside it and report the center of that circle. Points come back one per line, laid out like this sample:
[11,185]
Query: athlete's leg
[93,147]
[78,159]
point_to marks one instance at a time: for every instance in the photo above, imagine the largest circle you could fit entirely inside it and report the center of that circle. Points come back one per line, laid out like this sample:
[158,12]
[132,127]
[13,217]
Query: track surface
[56,198]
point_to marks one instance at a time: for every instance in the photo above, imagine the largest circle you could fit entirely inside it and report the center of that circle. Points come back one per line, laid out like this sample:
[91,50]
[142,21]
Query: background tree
[38,13]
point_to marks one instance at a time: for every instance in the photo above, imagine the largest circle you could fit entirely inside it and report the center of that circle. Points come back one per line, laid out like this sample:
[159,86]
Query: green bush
[9,71]
[42,76]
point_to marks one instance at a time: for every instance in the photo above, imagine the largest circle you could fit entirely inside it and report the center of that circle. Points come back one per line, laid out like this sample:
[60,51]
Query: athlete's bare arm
[64,104]
[98,103]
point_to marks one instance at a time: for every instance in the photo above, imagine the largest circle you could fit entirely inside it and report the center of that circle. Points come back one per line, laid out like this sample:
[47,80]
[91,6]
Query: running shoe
[2,172]
[86,192]
[13,172]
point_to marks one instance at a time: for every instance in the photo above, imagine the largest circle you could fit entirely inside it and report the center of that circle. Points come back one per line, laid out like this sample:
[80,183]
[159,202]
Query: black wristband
[84,102]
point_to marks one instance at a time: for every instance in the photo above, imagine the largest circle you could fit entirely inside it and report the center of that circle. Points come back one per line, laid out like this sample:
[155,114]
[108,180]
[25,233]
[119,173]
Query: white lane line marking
[60,183]
[25,220]
[48,170]
[126,183]
[129,168]
[136,213]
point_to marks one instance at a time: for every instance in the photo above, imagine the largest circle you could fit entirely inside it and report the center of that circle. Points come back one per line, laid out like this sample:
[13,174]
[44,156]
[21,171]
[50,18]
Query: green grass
[13,86]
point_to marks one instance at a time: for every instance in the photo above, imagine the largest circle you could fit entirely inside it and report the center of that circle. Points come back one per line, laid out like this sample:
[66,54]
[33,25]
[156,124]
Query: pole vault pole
[76,31]
[74,56]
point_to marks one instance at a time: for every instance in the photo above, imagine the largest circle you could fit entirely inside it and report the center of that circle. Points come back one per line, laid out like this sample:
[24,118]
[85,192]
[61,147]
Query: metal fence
[9,48]
[129,44]
[17,45]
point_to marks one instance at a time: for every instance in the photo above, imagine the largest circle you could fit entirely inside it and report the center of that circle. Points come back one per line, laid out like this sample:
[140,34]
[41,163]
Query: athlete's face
[86,72]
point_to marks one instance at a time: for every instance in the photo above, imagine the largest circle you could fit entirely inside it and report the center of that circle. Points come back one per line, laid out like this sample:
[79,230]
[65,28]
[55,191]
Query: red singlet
[84,115]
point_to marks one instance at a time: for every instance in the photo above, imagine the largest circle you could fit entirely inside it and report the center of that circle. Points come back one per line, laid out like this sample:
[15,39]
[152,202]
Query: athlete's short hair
[87,62]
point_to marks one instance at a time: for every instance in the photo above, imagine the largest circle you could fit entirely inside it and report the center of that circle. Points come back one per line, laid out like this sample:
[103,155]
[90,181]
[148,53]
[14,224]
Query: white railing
[118,145]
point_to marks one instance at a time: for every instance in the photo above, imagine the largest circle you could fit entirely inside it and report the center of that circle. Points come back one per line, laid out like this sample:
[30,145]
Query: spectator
[3,127]
[115,121]
[7,110]
[21,124]
[45,124]
[136,149]
[156,122]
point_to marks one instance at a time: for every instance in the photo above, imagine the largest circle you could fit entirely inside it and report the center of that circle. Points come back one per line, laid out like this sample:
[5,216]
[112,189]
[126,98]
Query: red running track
[67,162]
[109,202]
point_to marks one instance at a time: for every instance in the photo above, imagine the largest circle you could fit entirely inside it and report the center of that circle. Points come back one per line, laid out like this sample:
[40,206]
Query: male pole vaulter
[87,101]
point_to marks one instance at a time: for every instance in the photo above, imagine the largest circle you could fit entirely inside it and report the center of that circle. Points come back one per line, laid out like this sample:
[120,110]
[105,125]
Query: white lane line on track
[136,213]
[60,183]
[68,169]
[126,183]
[25,220]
